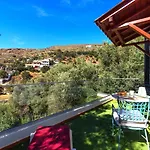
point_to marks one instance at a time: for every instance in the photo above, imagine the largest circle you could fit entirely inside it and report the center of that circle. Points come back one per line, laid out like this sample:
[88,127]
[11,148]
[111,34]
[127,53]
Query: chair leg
[119,135]
[112,127]
[146,138]
[139,134]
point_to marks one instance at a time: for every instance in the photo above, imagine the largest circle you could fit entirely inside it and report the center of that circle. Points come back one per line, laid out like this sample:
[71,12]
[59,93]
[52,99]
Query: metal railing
[15,135]
[24,94]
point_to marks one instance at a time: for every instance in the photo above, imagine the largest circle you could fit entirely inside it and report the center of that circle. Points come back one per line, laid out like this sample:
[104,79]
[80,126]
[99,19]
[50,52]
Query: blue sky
[45,23]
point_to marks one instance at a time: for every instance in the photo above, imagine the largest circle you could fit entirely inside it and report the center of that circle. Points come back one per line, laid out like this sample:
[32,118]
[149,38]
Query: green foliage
[15,73]
[3,74]
[75,92]
[55,73]
[77,82]
[26,75]
[30,102]
[44,69]
[120,63]
[8,117]
[63,96]
[18,65]
[30,68]
[51,62]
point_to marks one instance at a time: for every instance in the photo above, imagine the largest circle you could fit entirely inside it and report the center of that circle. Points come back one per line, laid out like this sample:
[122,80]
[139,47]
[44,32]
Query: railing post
[147,68]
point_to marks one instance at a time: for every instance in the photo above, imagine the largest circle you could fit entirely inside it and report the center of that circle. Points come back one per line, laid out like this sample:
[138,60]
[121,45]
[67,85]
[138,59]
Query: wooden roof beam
[122,8]
[112,10]
[147,28]
[135,34]
[139,21]
[109,33]
[132,36]
[135,43]
[140,31]
[134,16]
[120,37]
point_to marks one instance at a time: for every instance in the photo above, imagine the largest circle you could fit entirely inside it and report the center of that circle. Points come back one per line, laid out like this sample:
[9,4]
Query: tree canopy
[106,69]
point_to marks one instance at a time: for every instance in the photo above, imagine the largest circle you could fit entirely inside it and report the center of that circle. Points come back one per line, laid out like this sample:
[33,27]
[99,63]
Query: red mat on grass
[51,138]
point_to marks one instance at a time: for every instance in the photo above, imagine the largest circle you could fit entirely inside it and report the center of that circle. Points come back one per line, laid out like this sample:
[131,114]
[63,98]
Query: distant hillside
[74,47]
[15,53]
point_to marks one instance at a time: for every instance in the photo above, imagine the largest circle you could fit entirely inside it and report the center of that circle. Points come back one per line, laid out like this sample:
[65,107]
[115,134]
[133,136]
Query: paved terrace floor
[92,131]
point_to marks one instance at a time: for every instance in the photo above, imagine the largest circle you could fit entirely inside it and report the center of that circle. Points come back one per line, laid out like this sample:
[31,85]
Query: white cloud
[17,41]
[41,12]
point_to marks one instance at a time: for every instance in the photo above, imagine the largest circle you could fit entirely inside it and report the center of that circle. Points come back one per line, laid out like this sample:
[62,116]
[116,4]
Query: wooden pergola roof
[127,21]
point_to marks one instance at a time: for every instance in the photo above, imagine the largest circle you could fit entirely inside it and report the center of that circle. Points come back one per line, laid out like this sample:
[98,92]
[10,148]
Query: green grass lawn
[92,131]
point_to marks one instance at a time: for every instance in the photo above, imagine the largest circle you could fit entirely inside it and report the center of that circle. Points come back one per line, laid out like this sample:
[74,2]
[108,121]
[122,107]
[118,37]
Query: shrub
[44,69]
[3,74]
[26,75]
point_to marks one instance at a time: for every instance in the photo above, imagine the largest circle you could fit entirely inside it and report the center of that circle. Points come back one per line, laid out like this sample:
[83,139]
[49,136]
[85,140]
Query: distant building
[38,64]
[88,46]
[45,62]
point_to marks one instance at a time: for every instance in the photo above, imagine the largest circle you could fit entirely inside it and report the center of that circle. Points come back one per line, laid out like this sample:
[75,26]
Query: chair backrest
[133,110]
[142,91]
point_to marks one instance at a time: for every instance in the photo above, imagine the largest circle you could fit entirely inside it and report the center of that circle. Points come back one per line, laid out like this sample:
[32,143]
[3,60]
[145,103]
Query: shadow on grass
[92,131]
[21,146]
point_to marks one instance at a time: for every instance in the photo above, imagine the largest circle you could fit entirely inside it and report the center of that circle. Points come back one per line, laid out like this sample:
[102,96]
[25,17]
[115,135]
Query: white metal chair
[131,114]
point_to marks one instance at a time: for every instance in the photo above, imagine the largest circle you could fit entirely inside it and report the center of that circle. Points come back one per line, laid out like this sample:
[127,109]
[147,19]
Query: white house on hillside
[38,64]
[45,62]
[88,46]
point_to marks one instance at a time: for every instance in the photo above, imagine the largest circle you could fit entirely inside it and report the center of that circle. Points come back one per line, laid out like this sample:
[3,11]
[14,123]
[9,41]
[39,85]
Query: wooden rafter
[119,36]
[122,8]
[135,43]
[141,49]
[140,31]
[135,22]
[126,21]
[134,16]
[112,10]
[135,33]
[132,35]
[109,33]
